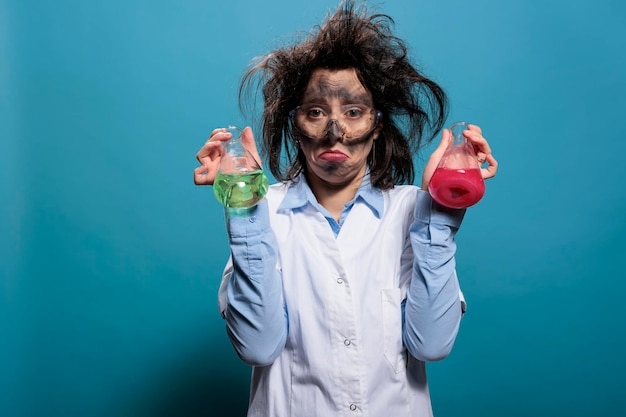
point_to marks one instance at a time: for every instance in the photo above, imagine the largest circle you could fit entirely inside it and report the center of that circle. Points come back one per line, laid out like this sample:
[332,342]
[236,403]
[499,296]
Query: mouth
[333,155]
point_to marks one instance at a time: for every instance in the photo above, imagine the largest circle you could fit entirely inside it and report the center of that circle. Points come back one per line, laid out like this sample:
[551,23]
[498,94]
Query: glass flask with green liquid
[240,182]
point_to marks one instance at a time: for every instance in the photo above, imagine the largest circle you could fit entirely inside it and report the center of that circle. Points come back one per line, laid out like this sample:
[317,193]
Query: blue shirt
[300,195]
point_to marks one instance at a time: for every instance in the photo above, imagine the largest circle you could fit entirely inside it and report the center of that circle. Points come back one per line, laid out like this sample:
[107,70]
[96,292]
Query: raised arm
[254,310]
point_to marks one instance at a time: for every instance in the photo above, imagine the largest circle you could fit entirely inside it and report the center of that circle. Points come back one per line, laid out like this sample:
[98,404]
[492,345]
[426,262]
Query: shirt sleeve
[255,315]
[432,311]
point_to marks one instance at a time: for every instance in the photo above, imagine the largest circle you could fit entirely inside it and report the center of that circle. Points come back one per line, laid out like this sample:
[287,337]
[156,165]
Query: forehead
[327,85]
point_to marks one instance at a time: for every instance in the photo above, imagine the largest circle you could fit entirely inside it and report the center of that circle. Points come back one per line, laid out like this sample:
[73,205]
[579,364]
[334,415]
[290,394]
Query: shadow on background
[198,386]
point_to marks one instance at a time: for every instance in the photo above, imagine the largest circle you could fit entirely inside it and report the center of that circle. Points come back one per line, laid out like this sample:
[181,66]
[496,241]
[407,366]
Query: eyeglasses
[354,121]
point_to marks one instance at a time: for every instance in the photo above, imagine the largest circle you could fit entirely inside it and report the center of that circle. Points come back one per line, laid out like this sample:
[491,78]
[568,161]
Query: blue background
[111,257]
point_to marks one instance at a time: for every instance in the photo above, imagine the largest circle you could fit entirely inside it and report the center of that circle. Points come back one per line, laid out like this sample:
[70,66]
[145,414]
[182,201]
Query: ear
[377,131]
[379,124]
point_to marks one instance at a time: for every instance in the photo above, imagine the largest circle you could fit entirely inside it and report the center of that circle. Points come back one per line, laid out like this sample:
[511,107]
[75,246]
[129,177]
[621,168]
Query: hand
[483,152]
[210,155]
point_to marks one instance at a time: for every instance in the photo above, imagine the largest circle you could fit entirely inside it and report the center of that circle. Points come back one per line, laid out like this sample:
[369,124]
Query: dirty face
[336,125]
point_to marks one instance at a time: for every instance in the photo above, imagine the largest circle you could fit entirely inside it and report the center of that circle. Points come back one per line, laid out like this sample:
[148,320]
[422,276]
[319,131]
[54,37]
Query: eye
[354,113]
[314,113]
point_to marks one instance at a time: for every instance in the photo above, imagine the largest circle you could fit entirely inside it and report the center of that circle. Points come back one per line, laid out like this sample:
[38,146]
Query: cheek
[362,151]
[307,149]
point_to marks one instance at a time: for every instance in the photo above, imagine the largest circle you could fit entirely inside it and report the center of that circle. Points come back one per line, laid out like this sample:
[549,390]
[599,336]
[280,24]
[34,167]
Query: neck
[333,197]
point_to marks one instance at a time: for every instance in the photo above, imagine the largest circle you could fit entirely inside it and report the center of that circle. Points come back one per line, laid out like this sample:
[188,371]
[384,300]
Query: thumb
[446,138]
[435,157]
[247,138]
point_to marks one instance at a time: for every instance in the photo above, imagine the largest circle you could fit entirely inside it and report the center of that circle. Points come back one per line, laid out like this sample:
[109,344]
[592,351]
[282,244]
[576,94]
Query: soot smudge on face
[323,89]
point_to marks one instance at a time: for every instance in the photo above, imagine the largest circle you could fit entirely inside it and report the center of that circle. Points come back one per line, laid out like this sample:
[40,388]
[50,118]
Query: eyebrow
[324,90]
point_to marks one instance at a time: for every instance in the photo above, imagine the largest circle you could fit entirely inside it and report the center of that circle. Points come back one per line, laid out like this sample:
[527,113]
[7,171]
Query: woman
[342,282]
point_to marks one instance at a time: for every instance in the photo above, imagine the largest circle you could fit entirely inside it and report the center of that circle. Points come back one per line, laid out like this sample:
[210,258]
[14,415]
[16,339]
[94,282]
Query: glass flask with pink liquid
[457,182]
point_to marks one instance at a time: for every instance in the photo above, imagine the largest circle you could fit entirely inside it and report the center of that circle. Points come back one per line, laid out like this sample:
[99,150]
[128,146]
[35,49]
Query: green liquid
[242,190]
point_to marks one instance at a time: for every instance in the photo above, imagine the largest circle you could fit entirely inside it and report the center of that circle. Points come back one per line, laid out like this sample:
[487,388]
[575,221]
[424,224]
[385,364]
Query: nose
[334,132]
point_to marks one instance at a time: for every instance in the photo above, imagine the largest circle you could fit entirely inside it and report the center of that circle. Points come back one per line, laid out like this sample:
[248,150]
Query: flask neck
[460,153]
[456,130]
[234,147]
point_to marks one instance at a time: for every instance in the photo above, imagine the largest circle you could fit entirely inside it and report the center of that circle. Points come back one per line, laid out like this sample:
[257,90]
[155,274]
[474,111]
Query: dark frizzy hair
[414,108]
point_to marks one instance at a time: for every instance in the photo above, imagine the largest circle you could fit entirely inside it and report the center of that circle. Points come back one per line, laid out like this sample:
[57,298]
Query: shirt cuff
[249,223]
[429,211]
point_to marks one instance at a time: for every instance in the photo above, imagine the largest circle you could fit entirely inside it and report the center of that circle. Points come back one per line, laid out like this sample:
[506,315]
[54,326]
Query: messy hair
[413,107]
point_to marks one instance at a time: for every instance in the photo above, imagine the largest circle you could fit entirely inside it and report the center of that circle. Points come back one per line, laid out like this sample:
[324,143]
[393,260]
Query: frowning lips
[333,155]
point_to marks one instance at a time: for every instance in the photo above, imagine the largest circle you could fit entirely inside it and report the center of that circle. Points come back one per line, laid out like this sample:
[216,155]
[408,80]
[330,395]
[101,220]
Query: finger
[219,135]
[491,169]
[475,128]
[483,151]
[446,138]
[247,138]
[212,149]
[435,157]
[475,135]
[218,130]
[479,143]
[201,176]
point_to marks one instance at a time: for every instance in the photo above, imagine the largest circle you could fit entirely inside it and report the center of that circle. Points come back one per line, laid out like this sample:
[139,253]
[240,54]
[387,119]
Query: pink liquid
[457,188]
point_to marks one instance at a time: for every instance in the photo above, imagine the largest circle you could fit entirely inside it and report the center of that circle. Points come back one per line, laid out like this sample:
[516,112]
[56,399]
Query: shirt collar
[299,194]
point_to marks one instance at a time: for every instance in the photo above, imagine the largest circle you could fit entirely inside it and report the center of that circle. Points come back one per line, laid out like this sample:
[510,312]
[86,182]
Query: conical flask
[240,182]
[457,182]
